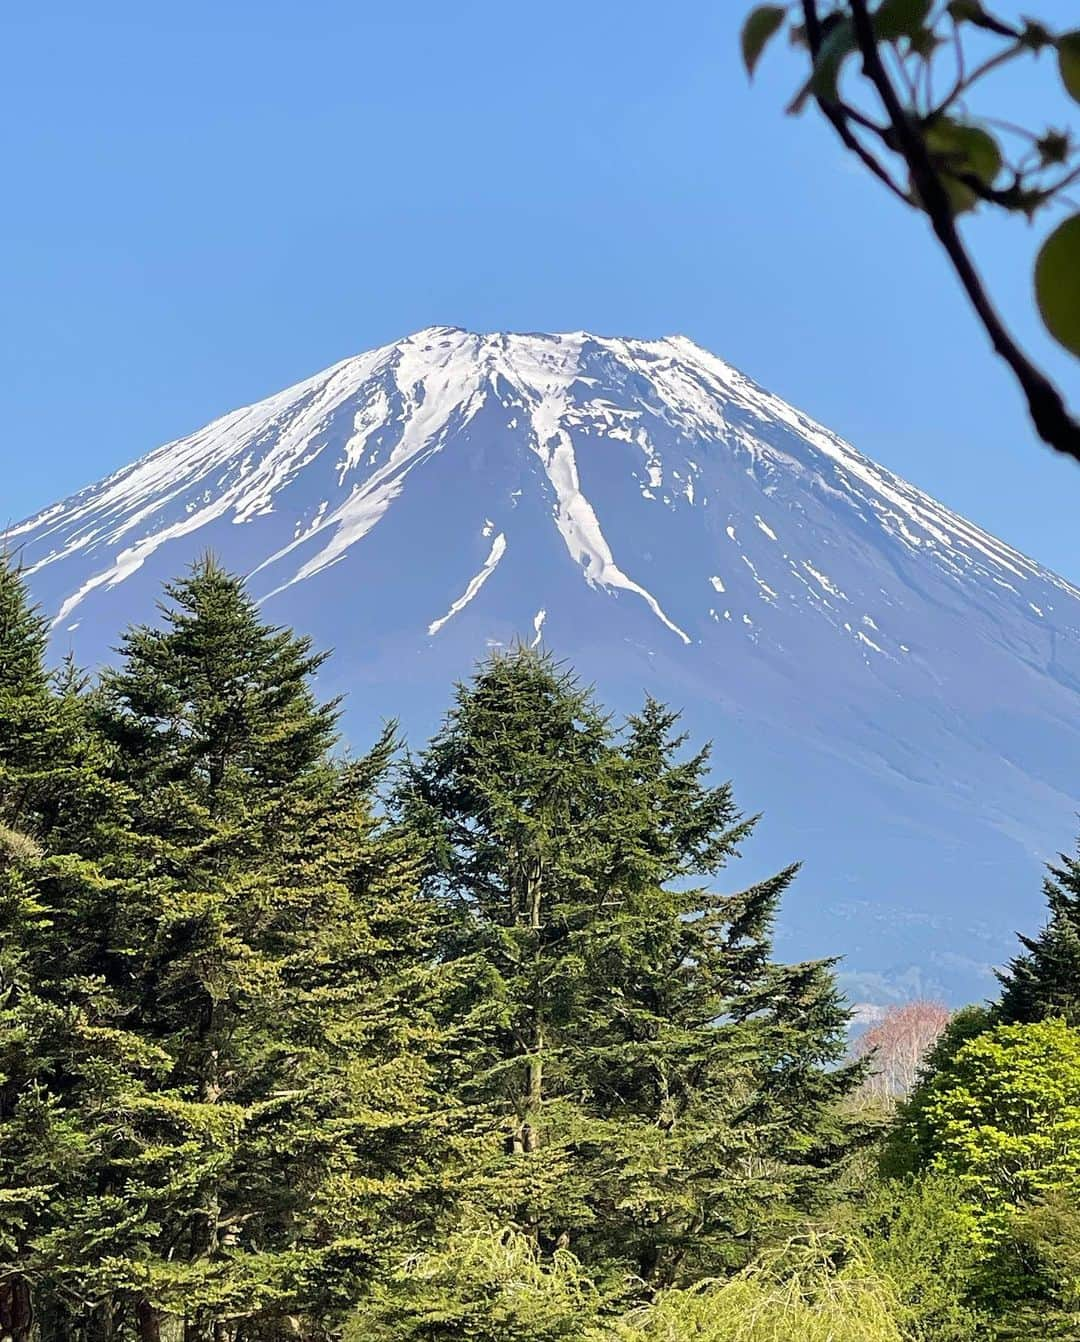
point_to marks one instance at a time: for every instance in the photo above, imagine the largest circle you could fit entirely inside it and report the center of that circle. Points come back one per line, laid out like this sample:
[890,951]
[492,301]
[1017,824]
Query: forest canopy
[473,1041]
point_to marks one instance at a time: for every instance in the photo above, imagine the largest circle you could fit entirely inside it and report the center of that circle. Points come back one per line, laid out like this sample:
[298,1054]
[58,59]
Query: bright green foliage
[920,1234]
[810,1292]
[653,1090]
[484,1286]
[907,1149]
[1004,1116]
[495,1286]
[1044,981]
[997,1113]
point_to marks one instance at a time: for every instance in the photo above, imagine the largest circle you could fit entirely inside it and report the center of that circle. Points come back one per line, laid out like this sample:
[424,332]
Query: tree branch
[837,114]
[1048,412]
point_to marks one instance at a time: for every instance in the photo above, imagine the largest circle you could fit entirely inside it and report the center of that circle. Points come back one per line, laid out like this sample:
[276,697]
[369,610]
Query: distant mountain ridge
[896,688]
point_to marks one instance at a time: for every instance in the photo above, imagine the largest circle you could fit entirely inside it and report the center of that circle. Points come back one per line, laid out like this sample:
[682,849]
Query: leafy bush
[487,1285]
[1004,1116]
[809,1292]
[922,1236]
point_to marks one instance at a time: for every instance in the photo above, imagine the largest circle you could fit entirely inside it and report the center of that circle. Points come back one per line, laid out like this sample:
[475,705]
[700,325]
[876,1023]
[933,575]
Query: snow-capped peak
[649,512]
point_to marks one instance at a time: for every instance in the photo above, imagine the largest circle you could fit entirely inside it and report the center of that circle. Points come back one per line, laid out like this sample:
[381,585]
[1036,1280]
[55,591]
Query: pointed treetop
[1044,980]
[23,633]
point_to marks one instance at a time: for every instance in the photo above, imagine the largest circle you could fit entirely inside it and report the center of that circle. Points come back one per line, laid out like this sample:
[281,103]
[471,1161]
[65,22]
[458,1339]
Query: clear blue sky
[206,202]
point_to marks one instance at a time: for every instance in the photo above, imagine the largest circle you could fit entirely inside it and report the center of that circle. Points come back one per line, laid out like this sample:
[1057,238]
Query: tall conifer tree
[272,960]
[26,716]
[658,1086]
[68,1064]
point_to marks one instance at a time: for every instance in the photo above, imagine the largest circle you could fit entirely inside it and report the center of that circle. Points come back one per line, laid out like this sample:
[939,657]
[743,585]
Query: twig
[837,113]
[1048,412]
[964,82]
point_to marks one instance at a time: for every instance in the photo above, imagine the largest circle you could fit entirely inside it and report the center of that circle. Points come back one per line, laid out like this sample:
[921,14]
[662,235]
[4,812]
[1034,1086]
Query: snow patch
[574,514]
[498,549]
[825,581]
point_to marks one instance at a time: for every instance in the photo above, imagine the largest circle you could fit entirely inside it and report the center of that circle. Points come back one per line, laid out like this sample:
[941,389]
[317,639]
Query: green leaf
[761,26]
[837,44]
[900,18]
[957,149]
[923,42]
[1068,49]
[964,148]
[835,49]
[1057,284]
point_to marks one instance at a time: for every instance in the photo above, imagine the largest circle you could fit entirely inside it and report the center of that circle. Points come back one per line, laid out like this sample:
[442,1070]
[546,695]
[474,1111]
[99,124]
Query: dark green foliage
[267,944]
[216,992]
[1044,981]
[654,1090]
[67,1059]
[1043,1252]
[500,1064]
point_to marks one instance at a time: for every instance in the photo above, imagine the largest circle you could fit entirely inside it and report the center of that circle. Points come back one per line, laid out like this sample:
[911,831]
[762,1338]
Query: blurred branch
[951,165]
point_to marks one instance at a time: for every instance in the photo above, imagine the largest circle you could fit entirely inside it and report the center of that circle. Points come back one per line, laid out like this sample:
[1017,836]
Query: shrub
[807,1292]
[487,1285]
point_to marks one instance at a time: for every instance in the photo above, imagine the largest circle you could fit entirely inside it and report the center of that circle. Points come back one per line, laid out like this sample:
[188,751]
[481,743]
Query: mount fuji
[896,689]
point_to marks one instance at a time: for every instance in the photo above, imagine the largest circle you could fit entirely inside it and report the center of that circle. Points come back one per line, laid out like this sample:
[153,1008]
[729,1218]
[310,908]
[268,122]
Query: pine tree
[65,1055]
[1044,981]
[275,956]
[709,1070]
[652,1086]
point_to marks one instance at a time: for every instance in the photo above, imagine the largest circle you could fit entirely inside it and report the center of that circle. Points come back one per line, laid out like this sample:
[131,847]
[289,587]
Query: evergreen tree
[66,1058]
[661,1089]
[274,956]
[1044,980]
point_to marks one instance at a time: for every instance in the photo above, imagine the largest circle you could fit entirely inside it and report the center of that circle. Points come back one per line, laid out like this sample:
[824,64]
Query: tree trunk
[148,1320]
[648,1261]
[99,1322]
[16,1310]
[6,1288]
[531,1131]
[206,1233]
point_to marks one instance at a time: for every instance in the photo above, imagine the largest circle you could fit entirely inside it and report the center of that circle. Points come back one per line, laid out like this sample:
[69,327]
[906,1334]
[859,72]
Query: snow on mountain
[896,688]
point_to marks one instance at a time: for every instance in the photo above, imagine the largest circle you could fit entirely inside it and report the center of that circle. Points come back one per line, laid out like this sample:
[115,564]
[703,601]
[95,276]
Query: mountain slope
[896,688]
